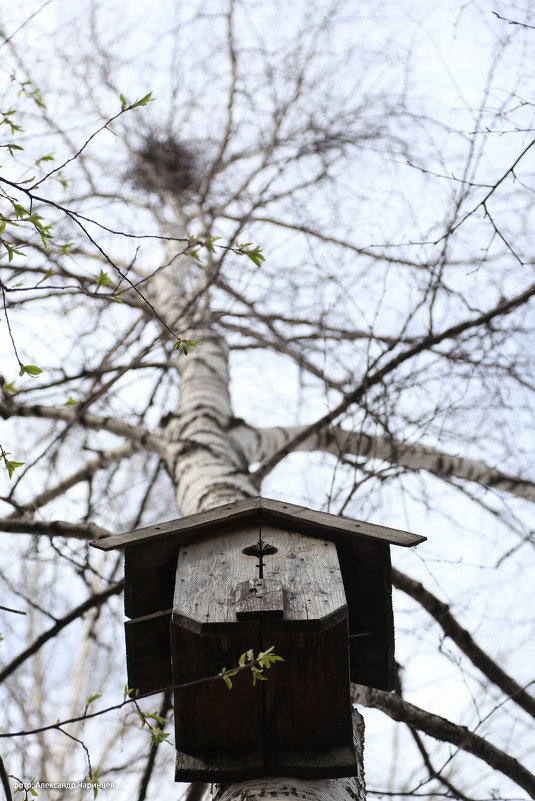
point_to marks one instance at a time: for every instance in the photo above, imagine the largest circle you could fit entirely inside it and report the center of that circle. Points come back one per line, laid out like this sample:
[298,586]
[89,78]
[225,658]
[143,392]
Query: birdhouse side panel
[366,572]
[148,653]
[149,576]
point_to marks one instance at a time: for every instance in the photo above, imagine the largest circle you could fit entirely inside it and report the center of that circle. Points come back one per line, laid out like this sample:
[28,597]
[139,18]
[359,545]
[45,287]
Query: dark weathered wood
[366,574]
[307,696]
[182,526]
[305,702]
[310,574]
[207,574]
[300,518]
[245,577]
[209,716]
[148,653]
[259,598]
[321,763]
[149,575]
[220,766]
[224,766]
[320,523]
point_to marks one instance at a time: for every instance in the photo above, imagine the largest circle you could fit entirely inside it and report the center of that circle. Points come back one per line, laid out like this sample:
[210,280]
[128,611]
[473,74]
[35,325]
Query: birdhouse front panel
[303,613]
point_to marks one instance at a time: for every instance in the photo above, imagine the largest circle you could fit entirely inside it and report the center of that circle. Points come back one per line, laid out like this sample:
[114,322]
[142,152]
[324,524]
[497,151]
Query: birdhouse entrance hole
[260,549]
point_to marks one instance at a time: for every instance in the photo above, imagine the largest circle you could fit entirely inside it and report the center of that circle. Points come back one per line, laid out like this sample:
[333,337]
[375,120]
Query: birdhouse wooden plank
[311,630]
[204,589]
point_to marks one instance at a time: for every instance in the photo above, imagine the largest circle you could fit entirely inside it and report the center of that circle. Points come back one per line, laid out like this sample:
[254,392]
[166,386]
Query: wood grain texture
[307,696]
[210,569]
[259,598]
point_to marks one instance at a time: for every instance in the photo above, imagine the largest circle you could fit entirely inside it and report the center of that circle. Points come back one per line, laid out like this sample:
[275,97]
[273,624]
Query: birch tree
[301,268]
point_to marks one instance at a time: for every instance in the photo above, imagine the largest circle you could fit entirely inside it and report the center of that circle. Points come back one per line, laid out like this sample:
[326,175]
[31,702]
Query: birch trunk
[209,467]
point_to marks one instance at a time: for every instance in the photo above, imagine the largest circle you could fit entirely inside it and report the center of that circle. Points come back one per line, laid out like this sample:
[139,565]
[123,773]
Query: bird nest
[165,166]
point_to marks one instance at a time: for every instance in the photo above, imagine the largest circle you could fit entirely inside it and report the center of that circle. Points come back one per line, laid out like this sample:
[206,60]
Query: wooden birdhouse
[202,590]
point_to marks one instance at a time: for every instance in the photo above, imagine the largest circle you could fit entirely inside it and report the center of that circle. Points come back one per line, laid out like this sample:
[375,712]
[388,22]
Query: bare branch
[53,528]
[94,601]
[445,730]
[375,377]
[264,443]
[463,640]
[136,434]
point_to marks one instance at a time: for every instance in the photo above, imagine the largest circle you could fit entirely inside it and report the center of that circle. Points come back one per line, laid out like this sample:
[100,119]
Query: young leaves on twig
[10,464]
[126,106]
[257,664]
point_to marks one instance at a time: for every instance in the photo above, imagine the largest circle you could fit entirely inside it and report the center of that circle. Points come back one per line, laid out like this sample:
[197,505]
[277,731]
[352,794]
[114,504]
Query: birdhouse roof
[299,518]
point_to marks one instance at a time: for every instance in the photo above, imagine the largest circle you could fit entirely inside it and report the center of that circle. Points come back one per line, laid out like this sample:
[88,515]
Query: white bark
[283,789]
[260,444]
[207,467]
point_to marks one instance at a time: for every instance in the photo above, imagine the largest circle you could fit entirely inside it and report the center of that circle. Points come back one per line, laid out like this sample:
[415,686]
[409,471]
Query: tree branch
[462,639]
[149,767]
[503,308]
[446,731]
[264,443]
[53,528]
[112,456]
[114,426]
[95,600]
[5,781]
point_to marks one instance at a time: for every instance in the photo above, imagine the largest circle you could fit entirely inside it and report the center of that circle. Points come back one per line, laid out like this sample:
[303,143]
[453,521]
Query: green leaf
[61,178]
[157,736]
[20,211]
[255,254]
[143,101]
[226,674]
[257,676]
[103,279]
[209,243]
[185,344]
[66,248]
[94,779]
[70,402]
[92,698]
[11,249]
[9,387]
[124,104]
[12,466]
[11,147]
[48,157]
[30,369]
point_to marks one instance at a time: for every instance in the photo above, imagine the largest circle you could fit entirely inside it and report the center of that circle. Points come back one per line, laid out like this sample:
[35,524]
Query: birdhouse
[204,589]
